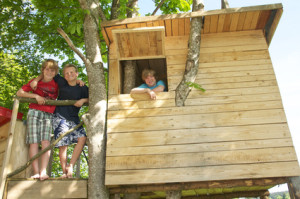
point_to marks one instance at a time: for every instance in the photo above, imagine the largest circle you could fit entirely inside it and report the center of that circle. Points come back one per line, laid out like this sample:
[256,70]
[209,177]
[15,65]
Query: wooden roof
[264,17]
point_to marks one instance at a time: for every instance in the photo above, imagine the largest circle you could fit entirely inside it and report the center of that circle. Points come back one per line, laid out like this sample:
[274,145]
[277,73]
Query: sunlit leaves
[175,6]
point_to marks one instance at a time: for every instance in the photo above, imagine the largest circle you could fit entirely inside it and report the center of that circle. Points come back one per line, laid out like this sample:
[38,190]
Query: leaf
[196,86]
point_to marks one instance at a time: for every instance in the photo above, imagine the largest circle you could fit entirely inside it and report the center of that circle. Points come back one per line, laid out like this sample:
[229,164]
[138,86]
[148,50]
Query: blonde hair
[51,63]
[69,66]
[147,72]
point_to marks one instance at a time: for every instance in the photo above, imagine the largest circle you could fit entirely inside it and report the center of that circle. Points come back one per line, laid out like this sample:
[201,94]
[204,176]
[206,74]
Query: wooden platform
[51,188]
[77,188]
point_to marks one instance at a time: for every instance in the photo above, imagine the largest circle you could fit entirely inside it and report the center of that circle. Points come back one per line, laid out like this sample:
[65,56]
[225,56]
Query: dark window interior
[159,65]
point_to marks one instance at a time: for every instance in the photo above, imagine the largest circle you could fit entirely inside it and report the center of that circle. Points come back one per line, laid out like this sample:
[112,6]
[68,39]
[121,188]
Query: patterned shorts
[61,125]
[39,126]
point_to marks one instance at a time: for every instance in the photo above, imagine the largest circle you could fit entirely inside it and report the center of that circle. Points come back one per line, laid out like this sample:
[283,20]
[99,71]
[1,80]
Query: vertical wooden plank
[114,77]
[241,21]
[263,18]
[248,20]
[227,22]
[214,24]
[181,26]
[254,21]
[206,24]
[8,150]
[187,24]
[168,23]
[221,23]
[175,28]
[234,22]
[134,51]
[153,45]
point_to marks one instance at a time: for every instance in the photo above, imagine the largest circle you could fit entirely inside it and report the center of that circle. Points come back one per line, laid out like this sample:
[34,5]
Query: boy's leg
[76,153]
[44,160]
[63,159]
[33,150]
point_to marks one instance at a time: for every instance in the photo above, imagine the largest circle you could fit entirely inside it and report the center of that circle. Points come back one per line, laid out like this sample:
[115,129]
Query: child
[66,117]
[39,118]
[150,86]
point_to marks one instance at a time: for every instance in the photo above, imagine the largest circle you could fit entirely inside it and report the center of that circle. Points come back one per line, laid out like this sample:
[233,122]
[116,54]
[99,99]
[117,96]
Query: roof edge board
[191,14]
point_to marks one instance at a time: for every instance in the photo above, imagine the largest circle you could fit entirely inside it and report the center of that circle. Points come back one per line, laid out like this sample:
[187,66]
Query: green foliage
[195,85]
[280,195]
[175,6]
[12,77]
[56,168]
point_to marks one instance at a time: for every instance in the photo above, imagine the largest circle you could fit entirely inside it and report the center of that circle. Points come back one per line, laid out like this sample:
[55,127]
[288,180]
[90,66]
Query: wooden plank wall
[237,129]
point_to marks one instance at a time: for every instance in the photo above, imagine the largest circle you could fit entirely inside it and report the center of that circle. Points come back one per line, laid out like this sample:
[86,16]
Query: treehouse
[232,139]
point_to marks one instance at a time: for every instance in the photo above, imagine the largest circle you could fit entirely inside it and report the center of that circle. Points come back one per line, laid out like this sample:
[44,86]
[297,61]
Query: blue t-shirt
[159,83]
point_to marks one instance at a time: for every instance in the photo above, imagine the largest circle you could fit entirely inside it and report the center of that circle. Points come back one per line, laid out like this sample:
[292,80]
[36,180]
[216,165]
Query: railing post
[8,150]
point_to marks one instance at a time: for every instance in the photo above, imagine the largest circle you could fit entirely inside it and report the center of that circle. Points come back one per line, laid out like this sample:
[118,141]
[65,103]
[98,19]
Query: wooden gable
[139,43]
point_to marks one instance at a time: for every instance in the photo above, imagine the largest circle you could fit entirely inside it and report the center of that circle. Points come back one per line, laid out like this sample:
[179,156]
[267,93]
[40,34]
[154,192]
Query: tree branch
[225,4]
[50,102]
[102,15]
[132,8]
[70,43]
[20,169]
[158,6]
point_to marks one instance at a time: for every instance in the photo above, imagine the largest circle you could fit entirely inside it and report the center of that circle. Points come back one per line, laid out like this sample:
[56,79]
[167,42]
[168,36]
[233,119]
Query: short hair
[69,66]
[146,72]
[51,63]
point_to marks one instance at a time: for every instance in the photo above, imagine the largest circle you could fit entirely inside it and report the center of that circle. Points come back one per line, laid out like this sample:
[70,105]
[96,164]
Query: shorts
[39,126]
[61,125]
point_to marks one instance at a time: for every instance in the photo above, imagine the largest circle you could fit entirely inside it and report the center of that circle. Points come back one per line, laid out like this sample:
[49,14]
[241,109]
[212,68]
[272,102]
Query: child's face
[70,74]
[150,80]
[49,73]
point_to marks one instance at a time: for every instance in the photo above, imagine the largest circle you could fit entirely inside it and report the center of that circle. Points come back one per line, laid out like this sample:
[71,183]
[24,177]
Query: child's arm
[39,99]
[80,102]
[34,83]
[80,82]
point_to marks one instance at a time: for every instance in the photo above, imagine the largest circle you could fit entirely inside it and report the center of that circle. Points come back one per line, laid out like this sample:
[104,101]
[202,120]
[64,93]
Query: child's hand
[34,84]
[80,82]
[40,100]
[79,103]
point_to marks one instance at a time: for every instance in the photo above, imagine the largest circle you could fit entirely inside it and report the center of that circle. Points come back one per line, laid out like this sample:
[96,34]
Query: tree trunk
[294,187]
[129,76]
[130,66]
[173,194]
[97,101]
[191,68]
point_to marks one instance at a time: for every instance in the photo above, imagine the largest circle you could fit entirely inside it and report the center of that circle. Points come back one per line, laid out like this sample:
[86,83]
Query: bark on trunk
[191,69]
[97,102]
[130,66]
[129,76]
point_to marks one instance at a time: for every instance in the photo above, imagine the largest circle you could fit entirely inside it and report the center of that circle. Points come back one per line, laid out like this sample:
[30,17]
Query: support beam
[198,185]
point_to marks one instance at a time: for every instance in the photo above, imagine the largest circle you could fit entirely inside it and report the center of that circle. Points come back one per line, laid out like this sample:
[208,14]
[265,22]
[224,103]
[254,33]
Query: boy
[150,86]
[66,117]
[39,118]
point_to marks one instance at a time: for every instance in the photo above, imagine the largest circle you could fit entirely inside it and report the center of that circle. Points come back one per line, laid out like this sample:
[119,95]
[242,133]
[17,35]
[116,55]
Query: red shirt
[48,90]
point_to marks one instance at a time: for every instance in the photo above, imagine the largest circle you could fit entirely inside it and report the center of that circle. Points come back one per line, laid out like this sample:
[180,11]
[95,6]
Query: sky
[284,51]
